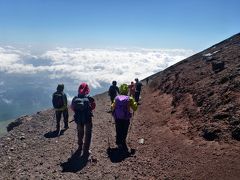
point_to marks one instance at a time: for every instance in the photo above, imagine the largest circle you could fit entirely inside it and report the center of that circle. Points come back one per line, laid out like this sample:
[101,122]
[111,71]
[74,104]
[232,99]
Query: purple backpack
[121,107]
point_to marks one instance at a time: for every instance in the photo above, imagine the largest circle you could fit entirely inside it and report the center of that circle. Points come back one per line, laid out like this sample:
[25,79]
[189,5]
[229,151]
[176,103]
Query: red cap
[83,89]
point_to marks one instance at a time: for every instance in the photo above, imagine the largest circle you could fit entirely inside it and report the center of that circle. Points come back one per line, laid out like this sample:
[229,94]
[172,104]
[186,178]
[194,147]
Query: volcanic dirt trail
[30,151]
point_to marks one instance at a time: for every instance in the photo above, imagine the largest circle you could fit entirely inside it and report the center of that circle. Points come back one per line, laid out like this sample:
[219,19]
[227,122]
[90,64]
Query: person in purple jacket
[122,115]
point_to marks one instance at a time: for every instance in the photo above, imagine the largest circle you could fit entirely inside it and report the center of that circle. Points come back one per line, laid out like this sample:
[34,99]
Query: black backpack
[58,100]
[82,109]
[112,91]
[138,86]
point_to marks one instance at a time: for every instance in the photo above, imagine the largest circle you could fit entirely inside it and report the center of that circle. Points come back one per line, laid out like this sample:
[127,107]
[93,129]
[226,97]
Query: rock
[14,124]
[221,116]
[209,58]
[218,66]
[211,133]
[236,133]
[24,145]
[141,141]
[22,138]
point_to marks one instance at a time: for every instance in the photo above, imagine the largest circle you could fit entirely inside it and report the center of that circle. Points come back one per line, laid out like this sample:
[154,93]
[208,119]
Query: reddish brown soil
[179,108]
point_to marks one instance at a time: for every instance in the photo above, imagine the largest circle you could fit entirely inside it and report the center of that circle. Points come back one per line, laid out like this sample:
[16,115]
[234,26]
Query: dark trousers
[84,131]
[137,94]
[65,118]
[122,126]
[112,98]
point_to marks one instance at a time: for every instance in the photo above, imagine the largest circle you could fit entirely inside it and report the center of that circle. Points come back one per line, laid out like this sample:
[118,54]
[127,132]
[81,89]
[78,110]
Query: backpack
[112,91]
[82,109]
[57,100]
[138,86]
[121,110]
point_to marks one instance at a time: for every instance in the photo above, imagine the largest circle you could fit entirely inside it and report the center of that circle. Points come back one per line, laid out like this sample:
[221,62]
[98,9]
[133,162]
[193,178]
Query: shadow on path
[75,163]
[53,134]
[117,155]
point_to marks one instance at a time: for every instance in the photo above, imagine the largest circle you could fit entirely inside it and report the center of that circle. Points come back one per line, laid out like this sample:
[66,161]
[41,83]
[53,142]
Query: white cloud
[93,65]
[7,101]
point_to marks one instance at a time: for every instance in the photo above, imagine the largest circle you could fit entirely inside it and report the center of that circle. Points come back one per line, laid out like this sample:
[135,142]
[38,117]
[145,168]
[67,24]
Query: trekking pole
[74,138]
[108,138]
[132,151]
[109,133]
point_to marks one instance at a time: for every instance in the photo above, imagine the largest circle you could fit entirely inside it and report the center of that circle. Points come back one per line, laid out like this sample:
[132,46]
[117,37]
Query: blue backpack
[121,110]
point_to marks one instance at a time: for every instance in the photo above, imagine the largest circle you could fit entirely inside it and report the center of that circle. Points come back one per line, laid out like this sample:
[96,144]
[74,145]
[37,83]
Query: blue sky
[187,24]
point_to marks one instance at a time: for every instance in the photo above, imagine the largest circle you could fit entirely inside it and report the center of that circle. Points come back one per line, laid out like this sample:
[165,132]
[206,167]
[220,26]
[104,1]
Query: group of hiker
[134,90]
[122,98]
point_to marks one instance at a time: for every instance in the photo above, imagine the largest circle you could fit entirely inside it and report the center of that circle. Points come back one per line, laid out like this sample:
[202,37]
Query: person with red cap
[82,105]
[131,88]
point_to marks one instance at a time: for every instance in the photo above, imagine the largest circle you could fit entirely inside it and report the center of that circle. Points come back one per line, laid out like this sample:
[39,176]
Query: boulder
[218,66]
[236,133]
[211,133]
[14,124]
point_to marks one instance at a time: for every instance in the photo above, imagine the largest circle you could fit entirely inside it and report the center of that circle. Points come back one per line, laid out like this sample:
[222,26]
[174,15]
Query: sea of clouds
[94,66]
[27,79]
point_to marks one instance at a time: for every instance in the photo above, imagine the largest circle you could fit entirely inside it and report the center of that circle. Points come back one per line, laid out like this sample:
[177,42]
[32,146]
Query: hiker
[138,88]
[131,88]
[147,79]
[113,91]
[59,101]
[82,105]
[122,115]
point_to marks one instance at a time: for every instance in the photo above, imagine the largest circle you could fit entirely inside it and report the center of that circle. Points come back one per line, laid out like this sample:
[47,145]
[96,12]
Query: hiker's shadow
[53,134]
[75,163]
[117,155]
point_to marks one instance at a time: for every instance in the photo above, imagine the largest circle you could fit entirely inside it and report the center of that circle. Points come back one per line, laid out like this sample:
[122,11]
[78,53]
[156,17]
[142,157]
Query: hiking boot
[78,152]
[57,131]
[86,153]
[109,111]
[123,147]
[120,146]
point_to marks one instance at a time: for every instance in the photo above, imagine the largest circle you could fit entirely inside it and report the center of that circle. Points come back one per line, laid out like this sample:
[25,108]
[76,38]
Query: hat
[60,87]
[123,89]
[83,89]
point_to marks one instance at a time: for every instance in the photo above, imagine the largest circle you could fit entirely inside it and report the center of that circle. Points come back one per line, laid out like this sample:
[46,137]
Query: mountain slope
[207,98]
[187,116]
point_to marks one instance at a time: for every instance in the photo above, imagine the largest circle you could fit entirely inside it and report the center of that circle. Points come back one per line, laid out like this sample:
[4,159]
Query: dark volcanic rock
[14,124]
[218,66]
[236,133]
[211,133]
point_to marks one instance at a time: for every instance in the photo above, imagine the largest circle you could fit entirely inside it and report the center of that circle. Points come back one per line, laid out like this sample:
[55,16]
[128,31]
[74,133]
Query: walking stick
[108,139]
[73,144]
[132,151]
[109,133]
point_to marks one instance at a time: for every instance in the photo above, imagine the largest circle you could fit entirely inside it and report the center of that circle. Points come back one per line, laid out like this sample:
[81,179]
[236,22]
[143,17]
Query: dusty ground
[179,109]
